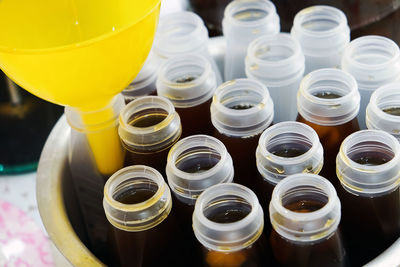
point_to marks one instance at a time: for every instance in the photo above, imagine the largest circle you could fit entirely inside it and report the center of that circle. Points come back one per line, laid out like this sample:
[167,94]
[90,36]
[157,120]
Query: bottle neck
[328,97]
[305,208]
[149,124]
[241,108]
[196,163]
[288,148]
[186,81]
[136,198]
[215,224]
[368,163]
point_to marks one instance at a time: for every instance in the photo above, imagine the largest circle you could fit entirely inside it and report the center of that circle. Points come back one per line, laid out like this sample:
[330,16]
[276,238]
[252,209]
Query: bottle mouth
[304,208]
[373,60]
[275,58]
[249,13]
[88,121]
[320,21]
[383,110]
[328,97]
[196,163]
[241,107]
[136,198]
[288,148]
[368,163]
[186,80]
[227,218]
[178,33]
[149,124]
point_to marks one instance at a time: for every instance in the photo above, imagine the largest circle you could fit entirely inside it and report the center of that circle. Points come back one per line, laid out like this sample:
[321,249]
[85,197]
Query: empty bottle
[278,62]
[305,215]
[244,21]
[373,61]
[189,82]
[328,101]
[368,167]
[323,34]
[183,33]
[241,110]
[383,110]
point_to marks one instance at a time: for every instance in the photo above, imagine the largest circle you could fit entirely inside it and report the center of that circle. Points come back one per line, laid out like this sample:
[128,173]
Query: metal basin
[59,209]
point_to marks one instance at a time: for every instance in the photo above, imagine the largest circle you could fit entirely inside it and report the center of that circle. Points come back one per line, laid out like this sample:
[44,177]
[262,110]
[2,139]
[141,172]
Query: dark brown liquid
[289,150]
[242,151]
[392,111]
[331,137]
[242,106]
[156,159]
[327,95]
[370,225]
[305,206]
[134,196]
[198,162]
[196,120]
[229,212]
[328,253]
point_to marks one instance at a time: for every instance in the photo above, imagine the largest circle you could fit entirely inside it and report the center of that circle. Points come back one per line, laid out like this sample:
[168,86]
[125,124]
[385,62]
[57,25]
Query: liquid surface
[134,196]
[289,150]
[198,162]
[147,120]
[242,106]
[186,79]
[327,95]
[227,211]
[392,111]
[305,206]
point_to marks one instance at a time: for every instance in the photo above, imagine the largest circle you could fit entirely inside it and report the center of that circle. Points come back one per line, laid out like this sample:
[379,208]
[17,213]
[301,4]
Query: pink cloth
[22,243]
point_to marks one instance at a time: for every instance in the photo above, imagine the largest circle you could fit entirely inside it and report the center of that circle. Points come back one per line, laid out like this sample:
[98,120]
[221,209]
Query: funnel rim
[84,43]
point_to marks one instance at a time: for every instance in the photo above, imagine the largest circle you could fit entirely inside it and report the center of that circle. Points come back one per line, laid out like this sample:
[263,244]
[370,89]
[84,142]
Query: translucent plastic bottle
[278,62]
[194,164]
[145,82]
[368,167]
[383,110]
[328,101]
[284,149]
[323,34]
[183,33]
[244,21]
[241,110]
[138,203]
[373,61]
[189,82]
[88,180]
[149,126]
[228,222]
[305,214]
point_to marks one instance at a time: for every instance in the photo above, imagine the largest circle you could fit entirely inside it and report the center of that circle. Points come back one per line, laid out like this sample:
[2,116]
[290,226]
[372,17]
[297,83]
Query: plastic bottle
[244,21]
[241,110]
[278,62]
[323,34]
[284,149]
[328,101]
[189,82]
[383,110]
[149,126]
[373,61]
[368,167]
[183,33]
[228,222]
[305,215]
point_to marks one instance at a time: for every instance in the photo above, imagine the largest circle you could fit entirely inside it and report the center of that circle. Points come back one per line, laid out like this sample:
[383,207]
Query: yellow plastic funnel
[78,53]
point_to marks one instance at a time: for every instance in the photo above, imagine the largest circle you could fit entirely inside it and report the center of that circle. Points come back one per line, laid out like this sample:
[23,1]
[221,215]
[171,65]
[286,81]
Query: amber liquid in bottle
[331,137]
[155,159]
[392,111]
[196,119]
[370,224]
[158,246]
[251,256]
[328,252]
